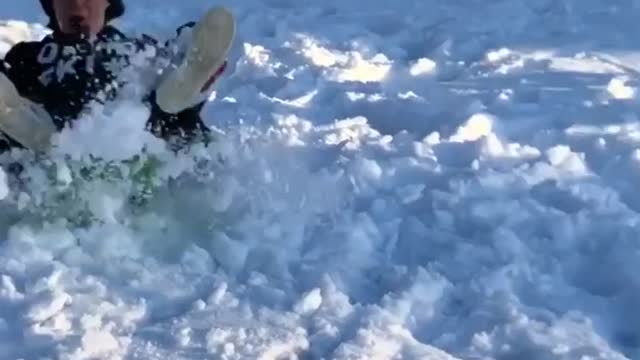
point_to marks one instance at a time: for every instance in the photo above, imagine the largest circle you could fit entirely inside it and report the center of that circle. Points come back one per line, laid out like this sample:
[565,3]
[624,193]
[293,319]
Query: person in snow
[80,62]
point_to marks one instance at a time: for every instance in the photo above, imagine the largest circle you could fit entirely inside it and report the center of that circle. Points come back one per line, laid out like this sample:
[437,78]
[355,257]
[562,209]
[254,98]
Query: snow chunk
[63,174]
[229,253]
[482,341]
[4,186]
[183,337]
[349,66]
[199,305]
[478,126]
[506,95]
[410,193]
[432,139]
[96,133]
[562,157]
[493,146]
[498,55]
[96,343]
[423,66]
[309,303]
[218,294]
[619,89]
[4,328]
[256,342]
[391,341]
[257,62]
[364,71]
[257,54]
[320,56]
[369,169]
[46,305]
[583,65]
[8,289]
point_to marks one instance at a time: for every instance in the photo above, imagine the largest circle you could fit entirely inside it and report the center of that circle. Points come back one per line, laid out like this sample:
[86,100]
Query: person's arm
[20,66]
[22,120]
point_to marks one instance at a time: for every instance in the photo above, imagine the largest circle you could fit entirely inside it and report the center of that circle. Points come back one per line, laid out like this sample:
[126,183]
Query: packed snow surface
[412,179]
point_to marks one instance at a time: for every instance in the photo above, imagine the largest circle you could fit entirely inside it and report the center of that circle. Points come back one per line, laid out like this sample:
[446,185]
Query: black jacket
[65,75]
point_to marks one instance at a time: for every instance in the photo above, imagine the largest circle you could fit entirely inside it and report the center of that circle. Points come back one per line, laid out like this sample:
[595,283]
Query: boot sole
[212,39]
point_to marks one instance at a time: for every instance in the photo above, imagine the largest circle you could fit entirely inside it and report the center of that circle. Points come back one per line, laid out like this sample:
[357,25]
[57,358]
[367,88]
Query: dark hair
[115,10]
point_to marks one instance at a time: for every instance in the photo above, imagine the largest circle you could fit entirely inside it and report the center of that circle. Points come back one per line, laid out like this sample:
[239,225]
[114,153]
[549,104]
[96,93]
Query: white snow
[309,303]
[418,179]
[619,89]
[423,66]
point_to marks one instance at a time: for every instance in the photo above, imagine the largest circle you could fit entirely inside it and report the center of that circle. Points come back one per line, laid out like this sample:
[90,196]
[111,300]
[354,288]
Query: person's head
[82,18]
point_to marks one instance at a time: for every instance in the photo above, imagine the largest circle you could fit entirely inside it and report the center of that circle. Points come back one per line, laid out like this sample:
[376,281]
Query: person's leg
[22,120]
[204,61]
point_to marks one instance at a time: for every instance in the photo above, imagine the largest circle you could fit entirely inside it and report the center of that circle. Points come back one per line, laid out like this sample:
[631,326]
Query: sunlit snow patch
[423,66]
[619,89]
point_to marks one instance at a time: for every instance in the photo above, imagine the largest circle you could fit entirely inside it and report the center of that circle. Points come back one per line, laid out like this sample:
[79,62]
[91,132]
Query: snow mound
[387,181]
